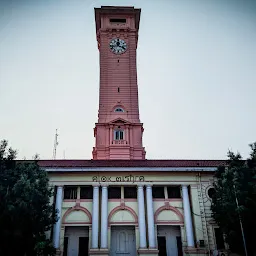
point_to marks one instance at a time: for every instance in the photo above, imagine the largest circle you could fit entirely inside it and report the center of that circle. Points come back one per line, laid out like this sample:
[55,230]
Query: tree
[25,210]
[236,181]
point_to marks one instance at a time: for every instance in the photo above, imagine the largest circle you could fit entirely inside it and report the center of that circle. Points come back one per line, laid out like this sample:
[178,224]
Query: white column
[187,215]
[57,226]
[104,218]
[95,217]
[142,223]
[150,213]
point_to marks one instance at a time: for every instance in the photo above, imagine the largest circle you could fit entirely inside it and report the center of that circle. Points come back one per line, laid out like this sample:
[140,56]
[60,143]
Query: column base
[146,251]
[99,252]
[58,252]
[192,251]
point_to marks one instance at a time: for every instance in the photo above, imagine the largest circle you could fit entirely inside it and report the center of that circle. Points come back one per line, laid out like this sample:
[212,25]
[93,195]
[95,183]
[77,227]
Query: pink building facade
[118,133]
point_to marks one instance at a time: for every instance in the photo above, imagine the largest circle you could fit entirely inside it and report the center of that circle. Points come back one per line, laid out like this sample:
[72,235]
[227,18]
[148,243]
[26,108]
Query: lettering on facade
[128,178]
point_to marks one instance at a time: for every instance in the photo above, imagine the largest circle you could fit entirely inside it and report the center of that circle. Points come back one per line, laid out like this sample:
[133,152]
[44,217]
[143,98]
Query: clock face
[118,46]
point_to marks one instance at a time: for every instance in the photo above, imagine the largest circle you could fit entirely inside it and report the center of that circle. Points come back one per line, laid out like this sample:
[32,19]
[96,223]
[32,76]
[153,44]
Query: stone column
[142,223]
[95,217]
[150,213]
[104,218]
[187,216]
[57,226]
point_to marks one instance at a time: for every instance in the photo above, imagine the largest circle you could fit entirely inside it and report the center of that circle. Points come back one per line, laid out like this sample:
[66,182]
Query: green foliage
[236,180]
[25,210]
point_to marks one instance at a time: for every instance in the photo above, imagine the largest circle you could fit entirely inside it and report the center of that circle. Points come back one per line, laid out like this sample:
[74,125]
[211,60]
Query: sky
[196,76]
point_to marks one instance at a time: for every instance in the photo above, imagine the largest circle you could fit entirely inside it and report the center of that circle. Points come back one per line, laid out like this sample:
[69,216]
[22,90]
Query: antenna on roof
[56,143]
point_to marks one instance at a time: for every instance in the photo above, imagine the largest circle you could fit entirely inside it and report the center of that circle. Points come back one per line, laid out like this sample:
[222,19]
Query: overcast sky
[196,76]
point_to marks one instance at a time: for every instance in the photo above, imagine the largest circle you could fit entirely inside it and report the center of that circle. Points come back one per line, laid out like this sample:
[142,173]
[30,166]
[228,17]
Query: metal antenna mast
[56,143]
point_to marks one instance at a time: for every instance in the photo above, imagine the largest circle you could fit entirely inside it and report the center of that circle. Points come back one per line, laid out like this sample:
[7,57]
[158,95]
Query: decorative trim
[122,223]
[79,223]
[86,200]
[98,251]
[167,199]
[130,199]
[192,250]
[134,169]
[115,200]
[120,208]
[168,207]
[122,204]
[170,223]
[77,208]
[148,251]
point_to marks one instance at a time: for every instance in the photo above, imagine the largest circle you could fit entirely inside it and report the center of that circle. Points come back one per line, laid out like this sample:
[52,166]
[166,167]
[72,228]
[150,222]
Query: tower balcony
[119,142]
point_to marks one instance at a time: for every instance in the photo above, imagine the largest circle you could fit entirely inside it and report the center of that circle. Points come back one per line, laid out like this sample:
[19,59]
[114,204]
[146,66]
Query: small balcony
[119,142]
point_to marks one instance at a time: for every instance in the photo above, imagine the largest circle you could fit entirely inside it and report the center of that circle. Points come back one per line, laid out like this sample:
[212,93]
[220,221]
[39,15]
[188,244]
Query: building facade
[119,203]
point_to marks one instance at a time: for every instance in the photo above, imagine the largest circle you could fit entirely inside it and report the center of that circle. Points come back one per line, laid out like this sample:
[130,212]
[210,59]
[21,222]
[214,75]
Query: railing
[119,142]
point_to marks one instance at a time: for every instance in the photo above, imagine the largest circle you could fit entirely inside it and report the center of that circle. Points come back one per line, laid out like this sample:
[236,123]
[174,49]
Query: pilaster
[197,214]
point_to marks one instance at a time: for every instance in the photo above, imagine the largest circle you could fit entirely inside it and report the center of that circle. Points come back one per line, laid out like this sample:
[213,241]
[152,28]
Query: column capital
[96,185]
[149,185]
[105,185]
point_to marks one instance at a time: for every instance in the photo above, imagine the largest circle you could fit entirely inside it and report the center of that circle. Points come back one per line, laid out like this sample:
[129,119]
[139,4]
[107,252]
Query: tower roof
[118,10]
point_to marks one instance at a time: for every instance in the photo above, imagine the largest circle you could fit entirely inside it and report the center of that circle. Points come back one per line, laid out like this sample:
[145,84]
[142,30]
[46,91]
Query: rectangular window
[118,20]
[86,192]
[173,192]
[130,192]
[219,239]
[114,192]
[158,192]
[119,135]
[70,192]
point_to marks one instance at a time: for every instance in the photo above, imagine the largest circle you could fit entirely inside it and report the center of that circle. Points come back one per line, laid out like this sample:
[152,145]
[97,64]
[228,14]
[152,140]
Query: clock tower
[118,132]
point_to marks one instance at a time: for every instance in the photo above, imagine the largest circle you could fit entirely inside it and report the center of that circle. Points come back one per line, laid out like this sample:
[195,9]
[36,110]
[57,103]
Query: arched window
[118,134]
[118,109]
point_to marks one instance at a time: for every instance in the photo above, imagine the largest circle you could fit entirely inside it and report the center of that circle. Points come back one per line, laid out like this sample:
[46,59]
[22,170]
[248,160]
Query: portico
[144,212]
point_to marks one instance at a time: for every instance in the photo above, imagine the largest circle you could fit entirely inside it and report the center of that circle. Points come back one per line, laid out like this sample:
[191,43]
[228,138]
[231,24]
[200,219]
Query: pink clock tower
[119,131]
